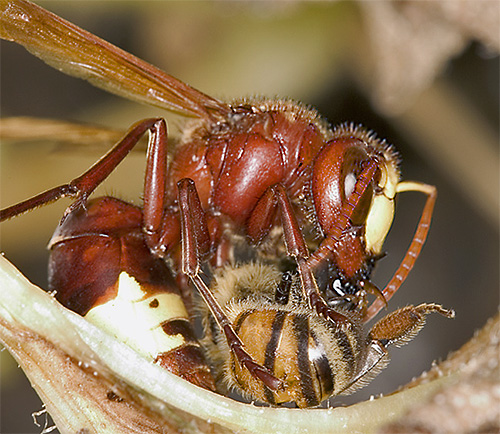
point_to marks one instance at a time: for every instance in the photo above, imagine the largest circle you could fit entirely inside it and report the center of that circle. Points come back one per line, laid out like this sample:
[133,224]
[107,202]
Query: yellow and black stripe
[313,358]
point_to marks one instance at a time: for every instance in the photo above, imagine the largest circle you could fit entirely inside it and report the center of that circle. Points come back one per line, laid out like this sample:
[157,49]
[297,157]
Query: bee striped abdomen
[291,347]
[310,389]
[271,348]
[323,371]
[105,272]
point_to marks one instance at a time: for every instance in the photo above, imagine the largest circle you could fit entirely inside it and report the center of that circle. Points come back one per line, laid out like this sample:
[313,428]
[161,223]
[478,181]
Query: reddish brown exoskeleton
[271,171]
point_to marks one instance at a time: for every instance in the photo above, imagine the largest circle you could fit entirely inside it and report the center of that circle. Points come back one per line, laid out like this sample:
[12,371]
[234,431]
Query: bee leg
[296,247]
[160,224]
[194,240]
[85,184]
[194,228]
[397,328]
[258,226]
[223,251]
[343,223]
[415,245]
[401,326]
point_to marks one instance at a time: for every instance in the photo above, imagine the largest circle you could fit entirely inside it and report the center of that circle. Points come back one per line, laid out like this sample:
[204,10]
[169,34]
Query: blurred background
[423,75]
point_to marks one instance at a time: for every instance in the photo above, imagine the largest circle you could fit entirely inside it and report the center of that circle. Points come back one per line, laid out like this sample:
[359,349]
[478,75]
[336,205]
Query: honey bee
[314,357]
[268,172]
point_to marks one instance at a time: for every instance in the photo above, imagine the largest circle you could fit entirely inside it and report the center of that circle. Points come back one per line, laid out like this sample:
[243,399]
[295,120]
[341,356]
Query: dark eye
[351,169]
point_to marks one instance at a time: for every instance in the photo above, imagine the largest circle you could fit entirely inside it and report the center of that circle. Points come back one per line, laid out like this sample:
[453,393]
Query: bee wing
[30,129]
[79,53]
[65,137]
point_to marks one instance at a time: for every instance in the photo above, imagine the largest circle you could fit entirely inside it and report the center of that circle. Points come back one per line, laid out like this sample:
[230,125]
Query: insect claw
[79,203]
[374,290]
[264,175]
[323,310]
[263,374]
[427,308]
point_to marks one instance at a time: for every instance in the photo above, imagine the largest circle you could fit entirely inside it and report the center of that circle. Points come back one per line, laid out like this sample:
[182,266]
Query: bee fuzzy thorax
[314,357]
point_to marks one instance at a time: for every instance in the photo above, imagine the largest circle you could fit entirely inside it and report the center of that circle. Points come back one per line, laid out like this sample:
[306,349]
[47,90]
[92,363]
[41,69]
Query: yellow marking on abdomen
[131,320]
